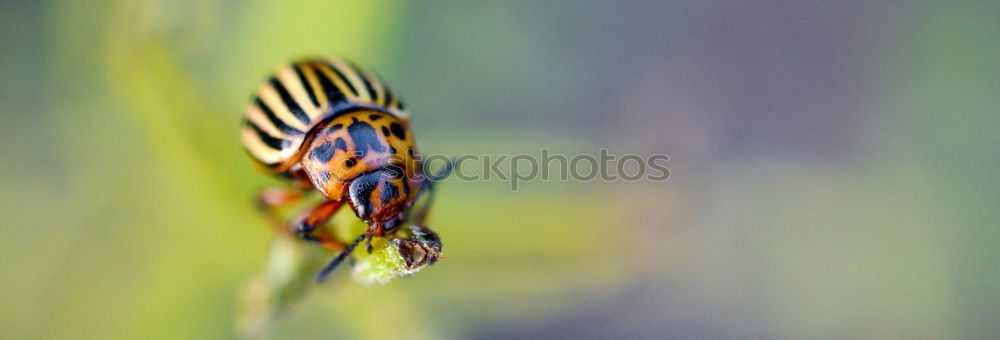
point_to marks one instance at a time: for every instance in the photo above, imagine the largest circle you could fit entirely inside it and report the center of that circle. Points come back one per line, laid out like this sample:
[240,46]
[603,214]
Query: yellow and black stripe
[302,94]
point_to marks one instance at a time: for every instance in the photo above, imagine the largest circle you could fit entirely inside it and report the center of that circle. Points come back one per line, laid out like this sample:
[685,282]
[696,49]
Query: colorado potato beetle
[329,125]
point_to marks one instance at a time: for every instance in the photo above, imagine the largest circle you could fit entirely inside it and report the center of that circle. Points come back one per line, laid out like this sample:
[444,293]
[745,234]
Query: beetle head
[379,195]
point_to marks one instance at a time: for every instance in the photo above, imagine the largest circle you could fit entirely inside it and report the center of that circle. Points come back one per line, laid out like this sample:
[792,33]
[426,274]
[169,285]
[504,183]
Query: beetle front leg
[378,230]
[307,225]
[373,230]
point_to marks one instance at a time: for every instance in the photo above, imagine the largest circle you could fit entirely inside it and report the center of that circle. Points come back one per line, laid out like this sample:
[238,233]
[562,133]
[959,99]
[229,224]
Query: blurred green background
[833,167]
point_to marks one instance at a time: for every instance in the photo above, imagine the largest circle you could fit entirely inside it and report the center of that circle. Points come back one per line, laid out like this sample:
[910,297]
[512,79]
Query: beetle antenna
[325,272]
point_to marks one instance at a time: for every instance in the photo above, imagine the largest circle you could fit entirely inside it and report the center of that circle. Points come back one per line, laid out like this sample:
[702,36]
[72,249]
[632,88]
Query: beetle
[326,124]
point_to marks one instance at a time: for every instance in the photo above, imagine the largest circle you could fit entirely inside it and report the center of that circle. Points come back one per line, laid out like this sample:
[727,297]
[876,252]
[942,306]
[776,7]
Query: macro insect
[326,124]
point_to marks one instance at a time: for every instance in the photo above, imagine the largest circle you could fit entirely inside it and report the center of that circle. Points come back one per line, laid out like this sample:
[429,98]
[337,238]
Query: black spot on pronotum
[392,150]
[334,128]
[398,130]
[323,153]
[365,138]
[340,144]
[410,150]
[385,131]
[375,117]
[350,162]
[354,119]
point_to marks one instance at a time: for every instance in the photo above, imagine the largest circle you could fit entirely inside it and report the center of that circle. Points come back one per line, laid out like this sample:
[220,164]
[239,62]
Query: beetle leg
[371,232]
[419,216]
[307,225]
[272,199]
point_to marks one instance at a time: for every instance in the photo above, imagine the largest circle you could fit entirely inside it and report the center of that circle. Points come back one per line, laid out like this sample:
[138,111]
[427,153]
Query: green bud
[405,252]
